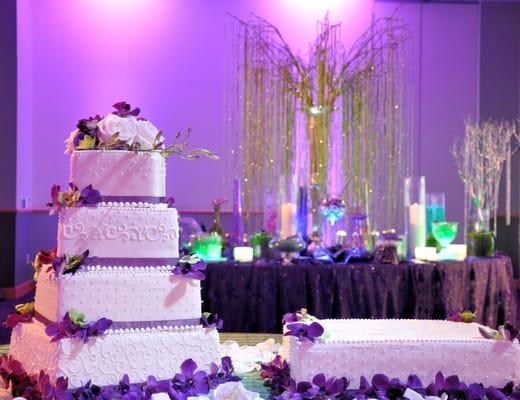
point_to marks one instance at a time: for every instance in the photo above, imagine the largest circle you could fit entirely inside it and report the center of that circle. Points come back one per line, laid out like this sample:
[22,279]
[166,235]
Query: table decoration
[444,232]
[238,229]
[287,220]
[415,213]
[321,120]
[208,246]
[288,248]
[358,232]
[260,242]
[243,254]
[480,159]
[435,211]
[341,238]
[425,253]
[216,227]
[387,248]
[302,213]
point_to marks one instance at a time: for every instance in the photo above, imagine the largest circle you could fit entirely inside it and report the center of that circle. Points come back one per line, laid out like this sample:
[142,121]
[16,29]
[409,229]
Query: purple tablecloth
[253,297]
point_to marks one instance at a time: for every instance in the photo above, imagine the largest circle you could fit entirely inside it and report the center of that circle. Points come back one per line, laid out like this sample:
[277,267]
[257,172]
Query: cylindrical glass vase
[415,213]
[435,212]
[480,239]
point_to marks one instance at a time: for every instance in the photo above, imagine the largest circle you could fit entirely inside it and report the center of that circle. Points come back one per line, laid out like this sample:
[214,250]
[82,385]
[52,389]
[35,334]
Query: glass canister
[415,213]
[435,212]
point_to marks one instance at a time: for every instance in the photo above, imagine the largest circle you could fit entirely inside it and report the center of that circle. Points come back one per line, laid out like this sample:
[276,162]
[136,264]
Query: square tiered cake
[353,348]
[117,250]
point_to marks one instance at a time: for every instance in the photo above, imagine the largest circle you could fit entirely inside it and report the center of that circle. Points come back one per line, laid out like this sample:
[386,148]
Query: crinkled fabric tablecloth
[253,297]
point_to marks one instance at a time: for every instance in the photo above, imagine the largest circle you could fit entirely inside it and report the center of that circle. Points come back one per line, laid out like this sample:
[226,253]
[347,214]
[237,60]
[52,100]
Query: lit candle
[425,253]
[288,215]
[243,254]
[416,226]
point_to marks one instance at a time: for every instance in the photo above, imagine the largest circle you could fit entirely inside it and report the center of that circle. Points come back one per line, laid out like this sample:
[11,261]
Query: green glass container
[444,232]
[480,239]
[260,243]
[481,244]
[208,247]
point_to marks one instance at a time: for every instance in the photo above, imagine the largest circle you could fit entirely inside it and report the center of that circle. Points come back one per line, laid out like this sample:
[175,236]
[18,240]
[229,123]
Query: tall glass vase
[318,120]
[415,213]
[480,239]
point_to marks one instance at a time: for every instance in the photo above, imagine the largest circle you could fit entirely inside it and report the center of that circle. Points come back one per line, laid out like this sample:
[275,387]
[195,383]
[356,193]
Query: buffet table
[252,297]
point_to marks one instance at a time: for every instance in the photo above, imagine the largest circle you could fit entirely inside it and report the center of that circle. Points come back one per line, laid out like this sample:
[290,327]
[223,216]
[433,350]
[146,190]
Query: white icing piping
[156,330]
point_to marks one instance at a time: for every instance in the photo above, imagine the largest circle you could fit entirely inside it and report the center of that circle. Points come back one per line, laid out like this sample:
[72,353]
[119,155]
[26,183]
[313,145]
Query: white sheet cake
[353,348]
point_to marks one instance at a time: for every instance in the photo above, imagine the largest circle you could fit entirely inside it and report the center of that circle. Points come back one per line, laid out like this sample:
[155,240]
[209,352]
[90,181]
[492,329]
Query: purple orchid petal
[493,393]
[414,382]
[452,383]
[315,330]
[380,382]
[319,380]
[363,384]
[188,367]
[90,196]
[476,392]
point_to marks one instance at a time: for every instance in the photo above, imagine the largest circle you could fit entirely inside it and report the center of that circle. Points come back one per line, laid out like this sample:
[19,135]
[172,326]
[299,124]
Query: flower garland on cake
[189,382]
[124,129]
[276,375]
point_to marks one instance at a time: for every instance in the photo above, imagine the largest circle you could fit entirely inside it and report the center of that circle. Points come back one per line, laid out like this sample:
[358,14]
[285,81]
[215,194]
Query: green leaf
[77,318]
[87,143]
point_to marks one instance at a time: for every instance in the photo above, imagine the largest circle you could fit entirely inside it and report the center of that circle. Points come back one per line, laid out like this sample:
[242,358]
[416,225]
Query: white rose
[146,134]
[111,124]
[69,142]
[234,391]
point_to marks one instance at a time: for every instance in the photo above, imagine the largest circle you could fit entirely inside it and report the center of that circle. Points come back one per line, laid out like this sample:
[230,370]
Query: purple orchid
[291,317]
[190,266]
[210,320]
[508,331]
[73,197]
[297,316]
[14,319]
[123,391]
[276,375]
[87,391]
[304,332]
[464,316]
[223,374]
[170,201]
[90,196]
[87,126]
[21,383]
[123,109]
[153,386]
[330,387]
[74,263]
[73,326]
[191,382]
[58,391]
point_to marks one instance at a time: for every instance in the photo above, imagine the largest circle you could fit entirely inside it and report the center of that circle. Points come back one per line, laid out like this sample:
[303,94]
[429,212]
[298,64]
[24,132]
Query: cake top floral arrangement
[124,129]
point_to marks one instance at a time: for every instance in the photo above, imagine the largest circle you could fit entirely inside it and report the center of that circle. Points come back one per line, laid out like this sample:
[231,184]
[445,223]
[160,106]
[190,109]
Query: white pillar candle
[457,252]
[243,254]
[425,253]
[416,226]
[288,216]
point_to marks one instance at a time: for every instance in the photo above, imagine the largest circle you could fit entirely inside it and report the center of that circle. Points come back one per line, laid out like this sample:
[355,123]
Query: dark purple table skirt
[253,297]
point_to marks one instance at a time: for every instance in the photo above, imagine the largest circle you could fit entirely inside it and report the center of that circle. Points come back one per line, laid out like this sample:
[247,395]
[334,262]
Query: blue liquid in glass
[434,212]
